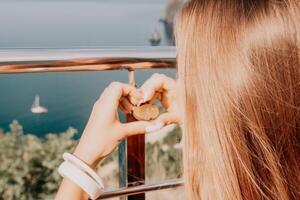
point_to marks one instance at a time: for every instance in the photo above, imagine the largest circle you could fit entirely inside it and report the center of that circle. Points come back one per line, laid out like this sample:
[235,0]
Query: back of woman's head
[239,72]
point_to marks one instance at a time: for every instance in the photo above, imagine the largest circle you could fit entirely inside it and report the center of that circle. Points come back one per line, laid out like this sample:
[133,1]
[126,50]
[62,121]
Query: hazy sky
[69,23]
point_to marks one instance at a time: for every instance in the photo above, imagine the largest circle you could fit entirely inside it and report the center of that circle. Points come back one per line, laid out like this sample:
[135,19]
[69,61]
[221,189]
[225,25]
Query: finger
[134,128]
[157,95]
[156,83]
[135,96]
[167,118]
[125,105]
[164,101]
[113,93]
[161,96]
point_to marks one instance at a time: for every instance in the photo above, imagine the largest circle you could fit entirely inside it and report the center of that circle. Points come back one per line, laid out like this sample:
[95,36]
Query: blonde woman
[237,99]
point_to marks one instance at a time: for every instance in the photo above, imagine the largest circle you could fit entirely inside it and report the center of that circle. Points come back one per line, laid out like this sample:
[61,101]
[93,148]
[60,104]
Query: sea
[70,24]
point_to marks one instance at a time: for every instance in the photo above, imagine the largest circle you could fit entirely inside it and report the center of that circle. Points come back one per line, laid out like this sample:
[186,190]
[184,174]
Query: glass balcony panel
[69,98]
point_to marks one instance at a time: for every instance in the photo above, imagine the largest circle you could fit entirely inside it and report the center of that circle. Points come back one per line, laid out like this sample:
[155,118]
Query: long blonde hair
[239,73]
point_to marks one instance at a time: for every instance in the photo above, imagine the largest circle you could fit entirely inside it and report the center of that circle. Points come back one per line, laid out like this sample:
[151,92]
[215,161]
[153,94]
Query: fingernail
[144,99]
[154,127]
[140,99]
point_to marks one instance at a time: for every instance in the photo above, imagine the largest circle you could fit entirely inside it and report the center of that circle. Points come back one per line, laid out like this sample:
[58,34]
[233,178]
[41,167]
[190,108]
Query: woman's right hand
[165,89]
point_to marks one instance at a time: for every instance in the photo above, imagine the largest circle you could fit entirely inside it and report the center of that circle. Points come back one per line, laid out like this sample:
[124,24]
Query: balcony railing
[132,150]
[68,60]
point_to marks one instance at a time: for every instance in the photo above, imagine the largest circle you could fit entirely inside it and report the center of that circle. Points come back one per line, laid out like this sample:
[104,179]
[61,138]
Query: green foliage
[163,159]
[28,168]
[28,164]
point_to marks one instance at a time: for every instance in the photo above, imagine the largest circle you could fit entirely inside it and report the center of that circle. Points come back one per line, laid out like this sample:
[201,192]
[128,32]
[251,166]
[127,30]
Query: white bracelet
[81,165]
[89,185]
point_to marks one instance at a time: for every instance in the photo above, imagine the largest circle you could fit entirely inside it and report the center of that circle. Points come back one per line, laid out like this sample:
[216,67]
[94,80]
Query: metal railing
[68,60]
[72,60]
[148,187]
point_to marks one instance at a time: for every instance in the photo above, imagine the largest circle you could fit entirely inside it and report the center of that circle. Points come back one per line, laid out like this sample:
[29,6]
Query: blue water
[69,24]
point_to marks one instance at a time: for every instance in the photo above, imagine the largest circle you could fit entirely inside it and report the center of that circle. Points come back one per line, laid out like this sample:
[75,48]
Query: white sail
[36,108]
[36,101]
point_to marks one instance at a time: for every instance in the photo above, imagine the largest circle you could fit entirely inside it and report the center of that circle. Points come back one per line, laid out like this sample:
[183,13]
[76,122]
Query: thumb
[141,127]
[167,118]
[134,128]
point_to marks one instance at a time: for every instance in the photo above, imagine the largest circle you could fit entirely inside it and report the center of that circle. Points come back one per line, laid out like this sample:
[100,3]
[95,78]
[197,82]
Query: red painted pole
[135,156]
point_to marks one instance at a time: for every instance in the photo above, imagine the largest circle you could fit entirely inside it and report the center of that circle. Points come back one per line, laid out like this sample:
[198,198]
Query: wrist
[84,157]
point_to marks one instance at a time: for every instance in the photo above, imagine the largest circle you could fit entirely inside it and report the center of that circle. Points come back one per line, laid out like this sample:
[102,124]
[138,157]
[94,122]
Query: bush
[28,164]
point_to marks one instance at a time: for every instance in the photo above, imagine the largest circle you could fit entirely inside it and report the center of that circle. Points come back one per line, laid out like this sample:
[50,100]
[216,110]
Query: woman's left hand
[104,131]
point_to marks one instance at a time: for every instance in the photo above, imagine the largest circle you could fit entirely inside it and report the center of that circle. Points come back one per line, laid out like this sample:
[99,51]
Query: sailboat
[154,38]
[36,108]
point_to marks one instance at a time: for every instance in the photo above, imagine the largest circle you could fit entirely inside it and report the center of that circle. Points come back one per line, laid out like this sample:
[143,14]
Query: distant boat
[36,108]
[155,38]
[172,8]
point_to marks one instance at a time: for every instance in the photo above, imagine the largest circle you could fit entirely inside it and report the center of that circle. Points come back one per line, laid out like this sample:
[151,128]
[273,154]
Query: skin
[104,131]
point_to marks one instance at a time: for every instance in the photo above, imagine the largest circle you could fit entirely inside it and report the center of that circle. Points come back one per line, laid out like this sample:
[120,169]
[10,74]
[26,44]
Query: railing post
[135,162]
[132,158]
[122,153]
